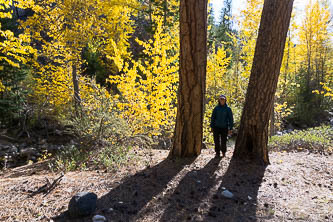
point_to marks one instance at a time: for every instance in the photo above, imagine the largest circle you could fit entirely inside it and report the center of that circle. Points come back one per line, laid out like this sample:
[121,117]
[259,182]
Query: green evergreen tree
[225,25]
[211,37]
[13,98]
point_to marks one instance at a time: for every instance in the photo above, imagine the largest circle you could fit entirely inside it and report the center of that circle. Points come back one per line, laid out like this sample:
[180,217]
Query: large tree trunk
[192,78]
[252,137]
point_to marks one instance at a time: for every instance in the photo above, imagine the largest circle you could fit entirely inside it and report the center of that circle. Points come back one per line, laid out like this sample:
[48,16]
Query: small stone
[227,194]
[28,152]
[99,218]
[13,149]
[42,141]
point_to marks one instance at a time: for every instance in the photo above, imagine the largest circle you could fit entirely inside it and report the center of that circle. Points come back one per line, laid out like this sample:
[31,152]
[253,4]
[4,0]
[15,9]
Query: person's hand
[229,132]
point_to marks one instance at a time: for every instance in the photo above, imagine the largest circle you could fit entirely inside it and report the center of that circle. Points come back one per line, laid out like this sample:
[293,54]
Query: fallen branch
[48,187]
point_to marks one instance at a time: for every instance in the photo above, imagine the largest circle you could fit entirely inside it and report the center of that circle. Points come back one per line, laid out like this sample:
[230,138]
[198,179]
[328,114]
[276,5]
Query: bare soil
[296,186]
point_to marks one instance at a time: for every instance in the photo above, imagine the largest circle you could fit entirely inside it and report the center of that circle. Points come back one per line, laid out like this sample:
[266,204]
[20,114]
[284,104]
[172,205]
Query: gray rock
[82,204]
[53,148]
[58,132]
[42,141]
[99,218]
[28,152]
[43,146]
[22,145]
[279,133]
[227,194]
[13,149]
[4,146]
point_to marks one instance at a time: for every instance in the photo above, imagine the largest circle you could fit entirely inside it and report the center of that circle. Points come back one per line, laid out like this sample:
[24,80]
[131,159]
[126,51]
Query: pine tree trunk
[192,78]
[252,137]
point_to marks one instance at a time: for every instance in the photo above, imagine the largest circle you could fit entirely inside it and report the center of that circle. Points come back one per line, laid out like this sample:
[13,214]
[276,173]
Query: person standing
[221,123]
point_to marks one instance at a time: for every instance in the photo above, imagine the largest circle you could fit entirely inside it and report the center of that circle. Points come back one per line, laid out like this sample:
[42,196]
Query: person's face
[222,101]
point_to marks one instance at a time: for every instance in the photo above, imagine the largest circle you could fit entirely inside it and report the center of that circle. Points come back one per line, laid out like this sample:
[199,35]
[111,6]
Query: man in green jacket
[221,123]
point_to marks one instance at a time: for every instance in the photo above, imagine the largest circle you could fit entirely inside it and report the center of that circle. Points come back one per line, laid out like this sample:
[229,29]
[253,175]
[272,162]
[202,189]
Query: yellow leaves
[314,37]
[14,48]
[2,87]
[70,26]
[217,81]
[4,5]
[326,90]
[147,86]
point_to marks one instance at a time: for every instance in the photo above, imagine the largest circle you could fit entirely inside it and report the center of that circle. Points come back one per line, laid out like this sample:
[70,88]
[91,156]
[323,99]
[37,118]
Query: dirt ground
[296,186]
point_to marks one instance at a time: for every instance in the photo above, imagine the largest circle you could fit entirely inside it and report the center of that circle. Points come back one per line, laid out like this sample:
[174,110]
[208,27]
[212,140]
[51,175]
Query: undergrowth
[73,158]
[101,135]
[317,140]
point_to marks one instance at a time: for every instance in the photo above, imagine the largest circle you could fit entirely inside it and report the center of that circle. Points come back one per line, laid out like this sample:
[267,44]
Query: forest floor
[296,186]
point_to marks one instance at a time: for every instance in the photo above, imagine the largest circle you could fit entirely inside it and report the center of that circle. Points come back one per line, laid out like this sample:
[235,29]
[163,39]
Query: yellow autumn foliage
[148,87]
[14,50]
[217,82]
[62,30]
[315,45]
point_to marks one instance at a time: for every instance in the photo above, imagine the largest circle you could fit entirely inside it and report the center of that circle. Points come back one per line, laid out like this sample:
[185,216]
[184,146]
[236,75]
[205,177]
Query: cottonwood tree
[314,49]
[252,137]
[62,30]
[14,50]
[192,78]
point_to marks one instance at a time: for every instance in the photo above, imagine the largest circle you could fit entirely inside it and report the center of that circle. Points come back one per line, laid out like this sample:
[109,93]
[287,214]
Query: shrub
[318,139]
[102,135]
[99,120]
[111,157]
[70,158]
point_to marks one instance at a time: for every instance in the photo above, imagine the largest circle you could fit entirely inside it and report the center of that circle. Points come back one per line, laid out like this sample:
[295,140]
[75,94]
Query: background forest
[107,71]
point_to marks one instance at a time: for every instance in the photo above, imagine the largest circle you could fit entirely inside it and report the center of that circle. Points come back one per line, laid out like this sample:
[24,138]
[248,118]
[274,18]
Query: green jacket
[222,117]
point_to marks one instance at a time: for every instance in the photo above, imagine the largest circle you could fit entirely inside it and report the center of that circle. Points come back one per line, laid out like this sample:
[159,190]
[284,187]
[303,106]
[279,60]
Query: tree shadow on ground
[187,199]
[243,179]
[124,201]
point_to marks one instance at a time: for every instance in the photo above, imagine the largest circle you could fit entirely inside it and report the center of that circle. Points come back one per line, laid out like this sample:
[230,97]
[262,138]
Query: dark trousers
[220,139]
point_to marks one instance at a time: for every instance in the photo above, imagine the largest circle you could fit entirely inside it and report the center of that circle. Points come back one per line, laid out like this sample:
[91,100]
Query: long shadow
[243,180]
[124,201]
[185,201]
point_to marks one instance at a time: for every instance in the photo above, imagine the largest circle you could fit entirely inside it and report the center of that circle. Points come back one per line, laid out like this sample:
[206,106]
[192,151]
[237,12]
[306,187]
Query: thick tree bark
[192,78]
[252,137]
